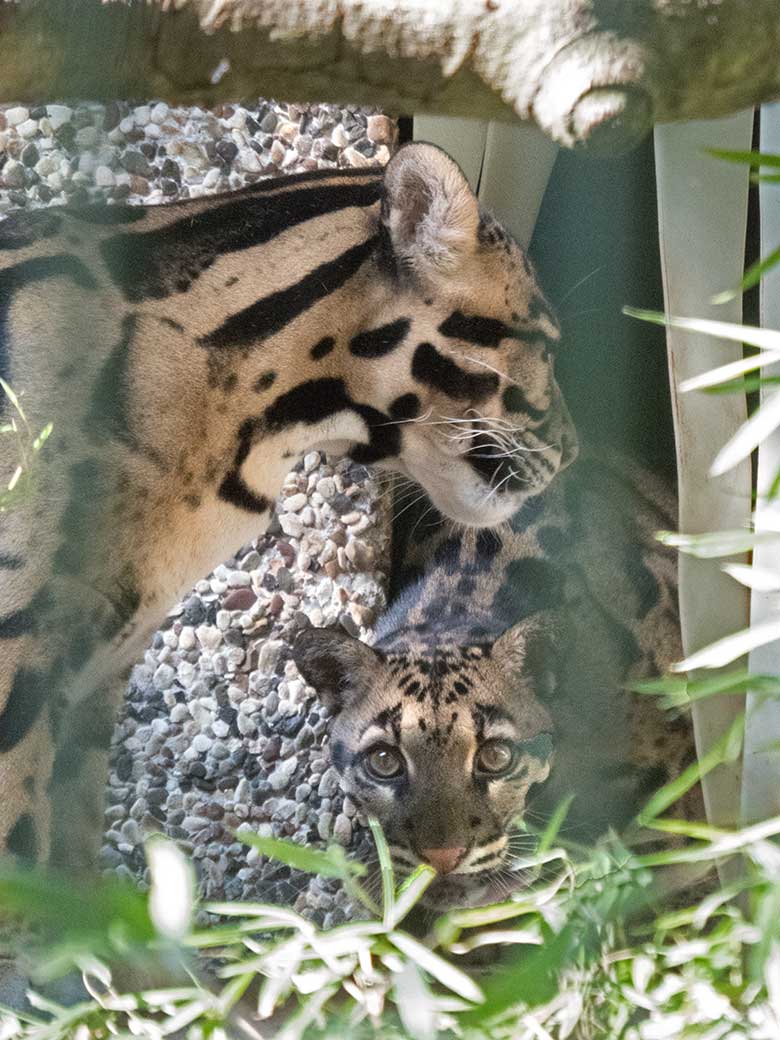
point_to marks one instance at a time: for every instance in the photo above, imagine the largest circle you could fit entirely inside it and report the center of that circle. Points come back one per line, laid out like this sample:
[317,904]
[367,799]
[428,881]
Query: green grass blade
[752,159]
[234,991]
[766,339]
[747,385]
[752,277]
[715,544]
[726,650]
[435,966]
[677,691]
[554,825]
[688,828]
[266,914]
[327,864]
[385,869]
[43,436]
[727,749]
[410,893]
[9,393]
[415,1003]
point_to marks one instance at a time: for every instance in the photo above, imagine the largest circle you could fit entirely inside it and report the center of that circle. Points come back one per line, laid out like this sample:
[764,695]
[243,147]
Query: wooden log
[587,72]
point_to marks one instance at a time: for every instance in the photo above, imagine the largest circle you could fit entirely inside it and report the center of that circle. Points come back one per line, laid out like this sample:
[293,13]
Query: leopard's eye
[495,757]
[384,762]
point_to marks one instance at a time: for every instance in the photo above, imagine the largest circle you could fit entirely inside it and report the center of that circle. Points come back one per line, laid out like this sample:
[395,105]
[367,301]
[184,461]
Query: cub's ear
[528,653]
[334,664]
[429,209]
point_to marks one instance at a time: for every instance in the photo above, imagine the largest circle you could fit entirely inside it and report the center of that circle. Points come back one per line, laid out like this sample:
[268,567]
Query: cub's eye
[495,757]
[384,762]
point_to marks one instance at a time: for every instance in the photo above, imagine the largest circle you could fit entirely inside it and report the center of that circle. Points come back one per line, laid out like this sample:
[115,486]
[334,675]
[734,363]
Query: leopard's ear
[429,210]
[337,665]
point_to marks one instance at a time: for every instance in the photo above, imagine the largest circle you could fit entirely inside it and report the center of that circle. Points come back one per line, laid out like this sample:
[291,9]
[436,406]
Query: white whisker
[484,364]
[413,419]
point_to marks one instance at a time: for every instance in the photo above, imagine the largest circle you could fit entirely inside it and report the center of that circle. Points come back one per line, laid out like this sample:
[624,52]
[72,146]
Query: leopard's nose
[444,860]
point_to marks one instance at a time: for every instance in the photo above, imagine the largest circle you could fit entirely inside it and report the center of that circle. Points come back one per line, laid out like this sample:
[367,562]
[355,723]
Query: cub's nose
[444,860]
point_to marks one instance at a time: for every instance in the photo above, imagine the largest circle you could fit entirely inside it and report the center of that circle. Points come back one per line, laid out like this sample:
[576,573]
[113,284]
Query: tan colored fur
[166,394]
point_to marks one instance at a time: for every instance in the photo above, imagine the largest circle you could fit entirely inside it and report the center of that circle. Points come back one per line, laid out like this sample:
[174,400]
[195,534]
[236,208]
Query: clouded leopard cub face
[441,745]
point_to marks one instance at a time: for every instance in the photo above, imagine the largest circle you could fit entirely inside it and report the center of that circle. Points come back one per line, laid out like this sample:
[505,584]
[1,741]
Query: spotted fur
[186,355]
[527,635]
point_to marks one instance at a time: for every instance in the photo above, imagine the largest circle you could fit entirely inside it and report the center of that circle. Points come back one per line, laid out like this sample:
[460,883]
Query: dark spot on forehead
[389,715]
[407,406]
[322,348]
[264,382]
[482,331]
[380,341]
[435,370]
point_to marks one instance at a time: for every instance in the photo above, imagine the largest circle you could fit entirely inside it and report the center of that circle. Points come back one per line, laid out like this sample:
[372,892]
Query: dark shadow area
[595,248]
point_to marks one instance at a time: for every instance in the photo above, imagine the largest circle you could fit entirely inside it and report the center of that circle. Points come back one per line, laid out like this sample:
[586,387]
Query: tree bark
[596,73]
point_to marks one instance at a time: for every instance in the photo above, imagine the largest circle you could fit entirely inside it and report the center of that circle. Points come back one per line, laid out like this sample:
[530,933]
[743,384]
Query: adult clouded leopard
[504,652]
[186,355]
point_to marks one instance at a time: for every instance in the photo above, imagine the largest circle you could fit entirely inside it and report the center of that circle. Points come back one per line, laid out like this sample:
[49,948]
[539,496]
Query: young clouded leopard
[496,682]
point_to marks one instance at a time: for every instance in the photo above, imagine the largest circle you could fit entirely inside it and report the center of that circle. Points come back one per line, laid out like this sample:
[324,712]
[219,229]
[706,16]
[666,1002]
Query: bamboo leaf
[748,385]
[758,427]
[752,159]
[716,543]
[766,339]
[762,579]
[729,648]
[751,277]
[724,373]
[678,692]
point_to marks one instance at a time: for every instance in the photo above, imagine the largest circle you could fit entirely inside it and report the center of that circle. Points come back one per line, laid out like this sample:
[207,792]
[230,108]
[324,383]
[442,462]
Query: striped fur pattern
[521,638]
[187,356]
